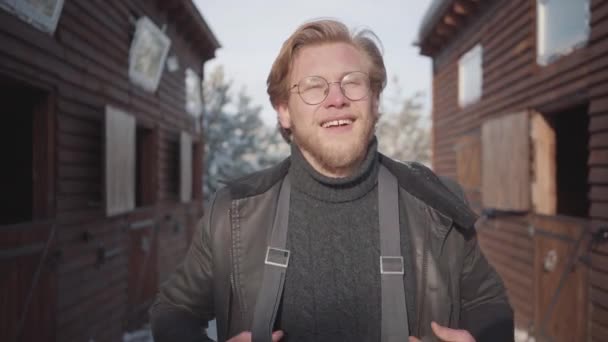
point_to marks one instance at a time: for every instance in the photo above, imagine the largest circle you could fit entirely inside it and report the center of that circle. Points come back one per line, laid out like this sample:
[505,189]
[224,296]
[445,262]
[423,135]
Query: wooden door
[560,310]
[143,275]
[28,285]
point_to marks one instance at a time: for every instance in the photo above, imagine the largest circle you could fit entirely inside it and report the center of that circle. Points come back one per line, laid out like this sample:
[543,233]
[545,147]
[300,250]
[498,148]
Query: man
[338,242]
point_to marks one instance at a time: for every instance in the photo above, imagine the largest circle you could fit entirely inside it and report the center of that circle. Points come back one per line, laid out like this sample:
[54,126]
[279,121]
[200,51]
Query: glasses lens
[355,85]
[313,89]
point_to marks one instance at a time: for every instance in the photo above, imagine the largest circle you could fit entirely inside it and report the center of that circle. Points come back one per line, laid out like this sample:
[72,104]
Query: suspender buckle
[392,265]
[277,257]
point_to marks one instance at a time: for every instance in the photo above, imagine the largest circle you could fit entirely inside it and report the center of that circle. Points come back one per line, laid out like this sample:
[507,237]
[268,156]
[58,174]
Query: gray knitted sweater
[332,286]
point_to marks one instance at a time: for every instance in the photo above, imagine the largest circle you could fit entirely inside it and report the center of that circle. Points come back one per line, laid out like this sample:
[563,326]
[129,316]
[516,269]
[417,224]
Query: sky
[252,32]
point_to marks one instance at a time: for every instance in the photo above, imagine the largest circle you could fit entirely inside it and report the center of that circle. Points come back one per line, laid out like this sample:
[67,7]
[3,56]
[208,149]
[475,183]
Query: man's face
[334,134]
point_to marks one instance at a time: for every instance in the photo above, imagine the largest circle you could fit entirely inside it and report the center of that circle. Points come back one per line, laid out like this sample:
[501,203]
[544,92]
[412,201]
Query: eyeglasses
[314,89]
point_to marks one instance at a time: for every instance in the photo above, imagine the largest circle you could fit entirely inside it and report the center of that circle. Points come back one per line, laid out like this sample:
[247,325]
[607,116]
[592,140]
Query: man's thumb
[277,336]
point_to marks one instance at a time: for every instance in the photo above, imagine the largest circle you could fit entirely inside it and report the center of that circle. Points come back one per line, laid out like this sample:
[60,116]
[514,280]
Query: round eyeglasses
[314,89]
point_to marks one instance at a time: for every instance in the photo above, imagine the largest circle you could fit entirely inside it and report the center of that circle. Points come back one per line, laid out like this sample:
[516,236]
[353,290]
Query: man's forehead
[329,60]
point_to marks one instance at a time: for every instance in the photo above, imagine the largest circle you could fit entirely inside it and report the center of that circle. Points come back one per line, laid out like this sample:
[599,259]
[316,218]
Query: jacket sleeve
[485,309]
[184,304]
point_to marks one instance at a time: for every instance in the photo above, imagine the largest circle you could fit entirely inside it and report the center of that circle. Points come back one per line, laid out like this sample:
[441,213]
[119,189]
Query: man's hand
[245,336]
[447,334]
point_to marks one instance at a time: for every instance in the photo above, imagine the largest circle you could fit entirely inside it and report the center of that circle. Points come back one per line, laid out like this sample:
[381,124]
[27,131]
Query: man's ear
[284,116]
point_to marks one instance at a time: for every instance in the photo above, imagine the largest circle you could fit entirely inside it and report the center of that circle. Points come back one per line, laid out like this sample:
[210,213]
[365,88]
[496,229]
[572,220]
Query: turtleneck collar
[309,181]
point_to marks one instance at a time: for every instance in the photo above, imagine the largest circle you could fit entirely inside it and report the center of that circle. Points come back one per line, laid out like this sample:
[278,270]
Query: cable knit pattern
[332,288]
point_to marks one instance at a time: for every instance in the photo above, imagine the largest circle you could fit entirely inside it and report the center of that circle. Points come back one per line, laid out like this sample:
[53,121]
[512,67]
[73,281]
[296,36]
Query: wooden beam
[452,20]
[444,30]
[462,7]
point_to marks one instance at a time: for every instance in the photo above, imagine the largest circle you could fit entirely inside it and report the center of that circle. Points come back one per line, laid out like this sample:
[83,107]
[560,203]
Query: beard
[336,155]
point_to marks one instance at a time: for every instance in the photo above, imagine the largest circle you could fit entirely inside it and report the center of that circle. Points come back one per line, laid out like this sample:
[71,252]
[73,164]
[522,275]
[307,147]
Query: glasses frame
[297,86]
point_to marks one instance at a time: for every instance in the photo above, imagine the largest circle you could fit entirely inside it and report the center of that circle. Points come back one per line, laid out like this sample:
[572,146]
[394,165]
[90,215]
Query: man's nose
[335,96]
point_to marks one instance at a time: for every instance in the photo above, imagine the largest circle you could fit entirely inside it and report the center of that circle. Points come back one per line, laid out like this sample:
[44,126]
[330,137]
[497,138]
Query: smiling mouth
[337,123]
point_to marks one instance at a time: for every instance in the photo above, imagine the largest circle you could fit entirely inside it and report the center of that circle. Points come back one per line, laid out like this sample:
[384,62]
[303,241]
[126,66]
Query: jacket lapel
[428,231]
[250,232]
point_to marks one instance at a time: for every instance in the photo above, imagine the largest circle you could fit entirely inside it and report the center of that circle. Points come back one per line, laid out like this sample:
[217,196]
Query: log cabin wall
[575,84]
[98,273]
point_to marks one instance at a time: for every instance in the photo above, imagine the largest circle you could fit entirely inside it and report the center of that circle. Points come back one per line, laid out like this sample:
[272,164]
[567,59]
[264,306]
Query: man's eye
[314,86]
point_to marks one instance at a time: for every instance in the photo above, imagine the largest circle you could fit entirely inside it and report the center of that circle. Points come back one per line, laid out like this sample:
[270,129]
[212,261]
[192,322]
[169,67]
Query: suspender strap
[394,312]
[277,260]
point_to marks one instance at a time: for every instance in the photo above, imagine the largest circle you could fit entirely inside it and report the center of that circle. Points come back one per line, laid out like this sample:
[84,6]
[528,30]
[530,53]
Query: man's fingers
[277,336]
[245,336]
[413,339]
[451,335]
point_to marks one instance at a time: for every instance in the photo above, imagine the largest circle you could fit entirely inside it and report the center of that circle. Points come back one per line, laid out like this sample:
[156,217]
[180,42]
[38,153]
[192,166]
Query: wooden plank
[523,242]
[599,210]
[598,123]
[599,297]
[598,175]
[598,140]
[569,316]
[598,193]
[599,315]
[599,262]
[598,106]
[468,161]
[598,333]
[544,184]
[599,280]
[598,157]
[522,255]
[505,162]
[599,31]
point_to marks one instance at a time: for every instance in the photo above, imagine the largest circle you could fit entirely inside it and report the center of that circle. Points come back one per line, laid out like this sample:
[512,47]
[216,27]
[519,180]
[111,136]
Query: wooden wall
[84,67]
[512,83]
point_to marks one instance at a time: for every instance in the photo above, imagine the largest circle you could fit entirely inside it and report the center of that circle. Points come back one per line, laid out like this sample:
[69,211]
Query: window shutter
[119,161]
[506,162]
[185,158]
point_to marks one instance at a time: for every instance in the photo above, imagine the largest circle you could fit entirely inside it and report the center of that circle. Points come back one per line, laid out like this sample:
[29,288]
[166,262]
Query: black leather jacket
[223,269]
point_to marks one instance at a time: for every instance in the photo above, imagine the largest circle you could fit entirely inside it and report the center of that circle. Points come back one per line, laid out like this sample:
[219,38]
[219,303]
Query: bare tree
[237,141]
[404,131]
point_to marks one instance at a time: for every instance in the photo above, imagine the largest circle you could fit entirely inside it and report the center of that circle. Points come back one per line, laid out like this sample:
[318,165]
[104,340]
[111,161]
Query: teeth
[337,123]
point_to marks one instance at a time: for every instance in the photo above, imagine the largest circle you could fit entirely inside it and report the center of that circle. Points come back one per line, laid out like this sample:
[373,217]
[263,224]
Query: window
[194,104]
[145,166]
[562,26]
[560,145]
[26,146]
[120,161]
[44,15]
[470,76]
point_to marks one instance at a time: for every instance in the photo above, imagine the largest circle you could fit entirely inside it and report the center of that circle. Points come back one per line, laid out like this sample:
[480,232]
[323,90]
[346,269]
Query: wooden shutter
[119,161]
[544,169]
[468,166]
[506,162]
[185,171]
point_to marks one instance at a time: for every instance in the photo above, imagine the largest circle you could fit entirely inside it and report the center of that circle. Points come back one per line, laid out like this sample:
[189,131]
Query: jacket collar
[415,178]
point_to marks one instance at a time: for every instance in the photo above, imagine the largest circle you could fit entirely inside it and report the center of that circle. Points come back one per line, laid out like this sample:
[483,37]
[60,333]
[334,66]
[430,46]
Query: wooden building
[520,119]
[101,160]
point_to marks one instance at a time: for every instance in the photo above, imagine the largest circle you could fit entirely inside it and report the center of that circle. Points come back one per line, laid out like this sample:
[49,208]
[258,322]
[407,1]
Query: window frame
[466,96]
[547,55]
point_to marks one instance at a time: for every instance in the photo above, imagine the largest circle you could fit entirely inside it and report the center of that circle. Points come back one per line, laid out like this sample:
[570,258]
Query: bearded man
[338,242]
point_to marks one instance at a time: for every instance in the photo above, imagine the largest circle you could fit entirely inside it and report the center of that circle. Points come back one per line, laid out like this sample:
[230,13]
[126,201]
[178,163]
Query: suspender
[277,259]
[394,312]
